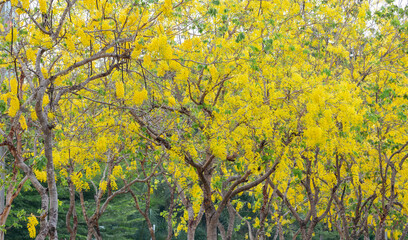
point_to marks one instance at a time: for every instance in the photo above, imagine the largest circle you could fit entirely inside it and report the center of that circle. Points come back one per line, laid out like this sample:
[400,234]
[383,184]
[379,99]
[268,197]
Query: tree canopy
[253,119]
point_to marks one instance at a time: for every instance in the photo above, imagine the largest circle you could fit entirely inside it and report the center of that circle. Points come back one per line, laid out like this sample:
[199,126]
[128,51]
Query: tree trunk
[171,209]
[52,186]
[46,128]
[404,232]
[231,221]
[93,229]
[2,176]
[211,229]
[380,233]
[343,230]
[209,208]
[263,213]
[303,231]
[191,232]
[151,229]
[280,230]
[71,211]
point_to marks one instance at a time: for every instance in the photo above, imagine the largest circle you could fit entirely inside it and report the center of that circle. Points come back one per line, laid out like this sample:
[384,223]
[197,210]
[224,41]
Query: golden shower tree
[299,106]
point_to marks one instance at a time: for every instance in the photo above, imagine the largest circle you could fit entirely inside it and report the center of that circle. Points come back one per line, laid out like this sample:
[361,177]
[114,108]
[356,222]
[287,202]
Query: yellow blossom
[167,7]
[23,123]
[113,183]
[46,100]
[41,175]
[103,185]
[43,6]
[139,97]
[117,171]
[314,136]
[120,90]
[14,106]
[32,222]
[33,115]
[80,185]
[25,4]
[13,86]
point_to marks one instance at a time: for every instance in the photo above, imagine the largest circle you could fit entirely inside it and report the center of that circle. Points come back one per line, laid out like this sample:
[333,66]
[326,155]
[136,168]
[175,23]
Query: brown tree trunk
[2,176]
[93,230]
[231,223]
[209,208]
[19,161]
[343,230]
[263,213]
[171,210]
[404,233]
[52,187]
[211,229]
[380,233]
[191,232]
[71,211]
[46,128]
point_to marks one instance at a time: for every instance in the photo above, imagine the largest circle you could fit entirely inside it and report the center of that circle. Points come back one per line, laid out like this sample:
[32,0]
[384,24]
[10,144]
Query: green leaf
[212,12]
[216,2]
[255,49]
[297,173]
[240,37]
[327,72]
[3,106]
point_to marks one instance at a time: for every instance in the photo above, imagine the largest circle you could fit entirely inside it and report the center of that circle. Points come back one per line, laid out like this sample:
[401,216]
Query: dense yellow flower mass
[14,106]
[79,183]
[120,89]
[32,223]
[282,114]
[41,175]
